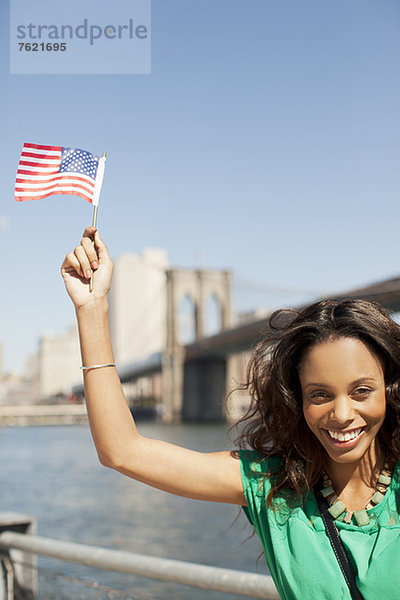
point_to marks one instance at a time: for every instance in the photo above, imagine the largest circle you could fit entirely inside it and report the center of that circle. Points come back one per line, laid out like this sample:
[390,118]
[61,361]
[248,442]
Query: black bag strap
[338,548]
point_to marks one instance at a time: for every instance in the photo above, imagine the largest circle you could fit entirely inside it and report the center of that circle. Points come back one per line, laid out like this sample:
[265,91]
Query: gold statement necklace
[337,508]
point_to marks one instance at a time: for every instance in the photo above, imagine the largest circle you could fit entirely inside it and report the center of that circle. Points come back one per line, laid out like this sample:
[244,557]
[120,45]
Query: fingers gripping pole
[96,195]
[93,225]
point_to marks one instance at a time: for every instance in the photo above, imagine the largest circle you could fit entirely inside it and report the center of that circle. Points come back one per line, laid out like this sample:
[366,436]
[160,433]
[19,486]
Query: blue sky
[265,139]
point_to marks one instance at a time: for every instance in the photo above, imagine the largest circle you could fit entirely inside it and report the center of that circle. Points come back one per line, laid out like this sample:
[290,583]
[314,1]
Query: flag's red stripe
[57,189]
[41,147]
[59,178]
[23,198]
[24,172]
[51,187]
[39,193]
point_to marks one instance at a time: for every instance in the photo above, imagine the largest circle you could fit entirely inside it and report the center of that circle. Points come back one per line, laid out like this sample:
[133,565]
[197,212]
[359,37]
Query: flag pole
[96,195]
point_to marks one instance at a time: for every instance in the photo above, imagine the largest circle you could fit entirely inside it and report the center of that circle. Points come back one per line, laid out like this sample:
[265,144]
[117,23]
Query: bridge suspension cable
[268,288]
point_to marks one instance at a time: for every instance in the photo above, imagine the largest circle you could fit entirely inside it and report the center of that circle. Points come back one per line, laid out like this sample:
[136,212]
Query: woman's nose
[342,411]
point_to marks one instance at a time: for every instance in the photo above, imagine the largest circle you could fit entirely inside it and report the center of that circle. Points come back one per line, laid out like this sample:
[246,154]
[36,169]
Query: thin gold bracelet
[98,366]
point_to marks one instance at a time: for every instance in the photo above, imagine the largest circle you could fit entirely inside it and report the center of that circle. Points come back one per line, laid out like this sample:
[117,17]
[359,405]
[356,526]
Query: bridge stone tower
[180,381]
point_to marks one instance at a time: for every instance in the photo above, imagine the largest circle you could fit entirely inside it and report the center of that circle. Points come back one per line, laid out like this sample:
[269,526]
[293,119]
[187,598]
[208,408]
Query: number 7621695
[42,47]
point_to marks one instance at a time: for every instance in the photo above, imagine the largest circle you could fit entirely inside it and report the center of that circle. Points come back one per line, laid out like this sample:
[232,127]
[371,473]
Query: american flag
[47,170]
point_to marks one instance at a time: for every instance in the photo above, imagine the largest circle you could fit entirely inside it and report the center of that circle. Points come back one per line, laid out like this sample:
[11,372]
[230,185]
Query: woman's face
[344,400]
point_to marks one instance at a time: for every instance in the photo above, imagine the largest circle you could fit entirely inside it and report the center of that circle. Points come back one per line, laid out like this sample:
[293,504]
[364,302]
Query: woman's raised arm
[205,476]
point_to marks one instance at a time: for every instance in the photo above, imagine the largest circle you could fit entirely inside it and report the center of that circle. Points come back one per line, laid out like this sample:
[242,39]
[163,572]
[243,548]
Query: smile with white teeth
[346,435]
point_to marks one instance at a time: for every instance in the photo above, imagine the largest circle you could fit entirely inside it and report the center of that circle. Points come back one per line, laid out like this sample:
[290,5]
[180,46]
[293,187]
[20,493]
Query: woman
[325,423]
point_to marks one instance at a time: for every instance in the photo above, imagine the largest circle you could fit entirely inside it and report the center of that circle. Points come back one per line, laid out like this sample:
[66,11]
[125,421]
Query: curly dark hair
[274,425]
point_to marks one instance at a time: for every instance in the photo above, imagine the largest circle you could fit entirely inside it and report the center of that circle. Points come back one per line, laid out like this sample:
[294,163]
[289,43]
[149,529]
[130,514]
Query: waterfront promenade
[43,414]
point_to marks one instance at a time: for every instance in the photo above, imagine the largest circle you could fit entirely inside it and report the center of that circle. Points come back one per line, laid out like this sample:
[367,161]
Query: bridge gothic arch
[187,320]
[199,285]
[212,316]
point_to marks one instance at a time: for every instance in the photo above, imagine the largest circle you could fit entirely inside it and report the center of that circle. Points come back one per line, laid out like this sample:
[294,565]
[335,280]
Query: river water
[53,474]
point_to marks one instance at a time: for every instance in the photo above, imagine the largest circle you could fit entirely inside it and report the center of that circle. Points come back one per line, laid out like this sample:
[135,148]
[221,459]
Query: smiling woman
[324,423]
[326,383]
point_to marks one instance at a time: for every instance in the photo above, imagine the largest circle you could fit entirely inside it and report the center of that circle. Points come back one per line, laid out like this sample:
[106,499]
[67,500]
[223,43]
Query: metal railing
[202,576]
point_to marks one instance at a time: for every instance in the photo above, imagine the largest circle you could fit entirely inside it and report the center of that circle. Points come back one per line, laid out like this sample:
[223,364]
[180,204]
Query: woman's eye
[362,391]
[319,395]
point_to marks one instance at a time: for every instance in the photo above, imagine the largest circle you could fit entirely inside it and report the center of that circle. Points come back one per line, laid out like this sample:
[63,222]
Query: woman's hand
[90,257]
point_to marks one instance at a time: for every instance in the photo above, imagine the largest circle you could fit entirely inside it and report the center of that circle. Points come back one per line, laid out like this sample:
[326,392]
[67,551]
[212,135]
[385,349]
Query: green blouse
[298,552]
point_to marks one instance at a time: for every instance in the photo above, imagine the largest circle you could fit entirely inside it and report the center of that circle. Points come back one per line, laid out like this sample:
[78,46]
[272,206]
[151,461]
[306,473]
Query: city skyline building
[58,363]
[138,304]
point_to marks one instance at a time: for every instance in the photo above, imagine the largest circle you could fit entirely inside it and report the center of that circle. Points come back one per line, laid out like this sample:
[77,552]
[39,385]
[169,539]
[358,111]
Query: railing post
[18,568]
